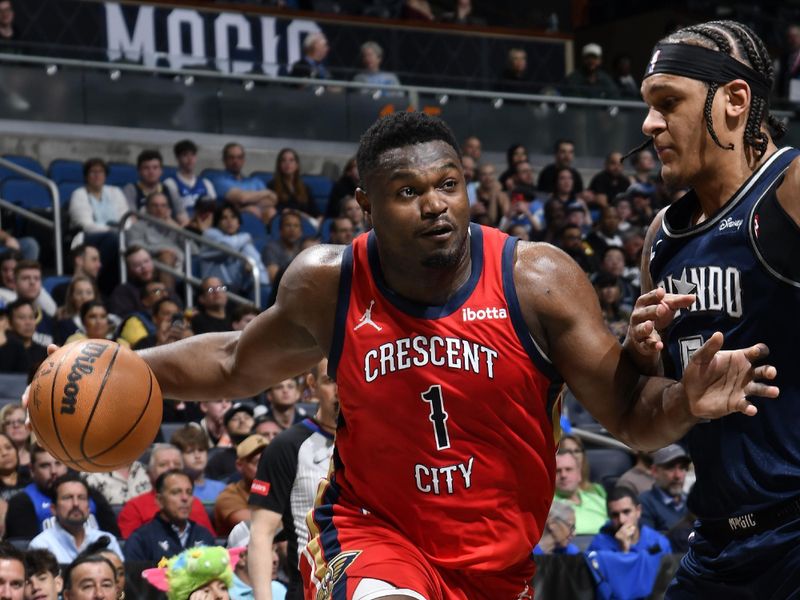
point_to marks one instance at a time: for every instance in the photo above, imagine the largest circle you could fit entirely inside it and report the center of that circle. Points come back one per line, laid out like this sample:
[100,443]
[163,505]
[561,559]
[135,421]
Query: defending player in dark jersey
[732,241]
[429,273]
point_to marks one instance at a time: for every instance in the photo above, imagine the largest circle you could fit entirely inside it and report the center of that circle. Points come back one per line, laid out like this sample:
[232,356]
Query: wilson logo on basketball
[259,487]
[82,366]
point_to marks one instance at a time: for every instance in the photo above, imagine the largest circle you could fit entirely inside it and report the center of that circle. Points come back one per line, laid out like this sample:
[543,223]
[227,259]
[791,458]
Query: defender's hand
[652,314]
[718,382]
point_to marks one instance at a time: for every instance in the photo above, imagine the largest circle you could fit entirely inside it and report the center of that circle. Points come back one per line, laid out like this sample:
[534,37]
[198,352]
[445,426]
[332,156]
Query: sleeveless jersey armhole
[535,353]
[775,237]
[342,306]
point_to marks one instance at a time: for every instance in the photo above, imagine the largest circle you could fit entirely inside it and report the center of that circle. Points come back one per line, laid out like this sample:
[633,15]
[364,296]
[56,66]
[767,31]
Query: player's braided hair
[396,131]
[738,41]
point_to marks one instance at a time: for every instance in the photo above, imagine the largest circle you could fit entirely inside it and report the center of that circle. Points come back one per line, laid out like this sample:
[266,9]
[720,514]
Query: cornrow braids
[759,59]
[748,47]
[721,41]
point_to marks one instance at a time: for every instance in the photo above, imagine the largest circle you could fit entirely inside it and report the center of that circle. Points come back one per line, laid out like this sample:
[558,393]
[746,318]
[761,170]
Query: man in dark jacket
[171,531]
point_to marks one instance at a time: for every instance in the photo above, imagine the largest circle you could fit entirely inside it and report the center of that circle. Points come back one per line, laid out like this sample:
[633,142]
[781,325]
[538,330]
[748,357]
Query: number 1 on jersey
[433,395]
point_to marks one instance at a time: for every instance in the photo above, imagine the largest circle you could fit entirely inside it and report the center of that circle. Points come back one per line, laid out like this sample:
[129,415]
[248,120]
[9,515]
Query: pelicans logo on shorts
[334,573]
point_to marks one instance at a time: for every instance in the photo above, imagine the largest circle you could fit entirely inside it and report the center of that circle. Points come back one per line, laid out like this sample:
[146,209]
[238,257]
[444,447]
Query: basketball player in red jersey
[449,343]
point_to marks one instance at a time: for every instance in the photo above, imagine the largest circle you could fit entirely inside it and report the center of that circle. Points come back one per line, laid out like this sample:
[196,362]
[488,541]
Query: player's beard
[447,258]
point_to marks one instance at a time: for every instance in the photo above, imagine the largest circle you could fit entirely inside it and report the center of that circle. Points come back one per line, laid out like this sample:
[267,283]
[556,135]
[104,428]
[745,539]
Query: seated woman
[232,271]
[80,289]
[289,187]
[95,210]
[95,324]
[12,478]
[12,416]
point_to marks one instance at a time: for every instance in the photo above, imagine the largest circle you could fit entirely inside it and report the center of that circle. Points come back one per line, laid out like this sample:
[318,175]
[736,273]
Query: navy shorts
[765,566]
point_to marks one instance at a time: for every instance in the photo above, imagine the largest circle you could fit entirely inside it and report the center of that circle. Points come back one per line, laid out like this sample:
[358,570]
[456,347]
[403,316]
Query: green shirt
[590,514]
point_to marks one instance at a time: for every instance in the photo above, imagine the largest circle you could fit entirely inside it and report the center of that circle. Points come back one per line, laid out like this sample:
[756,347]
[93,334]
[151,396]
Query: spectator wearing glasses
[162,243]
[213,300]
[559,531]
[12,417]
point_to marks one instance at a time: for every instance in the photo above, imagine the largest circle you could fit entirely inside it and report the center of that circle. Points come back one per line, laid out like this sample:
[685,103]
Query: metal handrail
[412,90]
[56,198]
[186,275]
[598,439]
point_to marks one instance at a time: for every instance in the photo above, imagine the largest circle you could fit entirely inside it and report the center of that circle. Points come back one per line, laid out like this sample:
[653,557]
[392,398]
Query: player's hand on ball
[26,394]
[652,314]
[718,382]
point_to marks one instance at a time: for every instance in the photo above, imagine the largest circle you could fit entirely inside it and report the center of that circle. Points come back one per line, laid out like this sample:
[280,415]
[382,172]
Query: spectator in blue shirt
[232,271]
[371,58]
[665,504]
[625,557]
[246,193]
[69,535]
[623,532]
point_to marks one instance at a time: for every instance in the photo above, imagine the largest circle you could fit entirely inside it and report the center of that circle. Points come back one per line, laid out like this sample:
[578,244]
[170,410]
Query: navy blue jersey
[745,289]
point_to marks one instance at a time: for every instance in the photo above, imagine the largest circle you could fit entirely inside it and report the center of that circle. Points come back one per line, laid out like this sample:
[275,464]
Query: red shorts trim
[348,546]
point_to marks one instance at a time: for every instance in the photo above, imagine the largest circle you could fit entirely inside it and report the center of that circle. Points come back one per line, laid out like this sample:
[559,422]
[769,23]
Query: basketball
[95,405]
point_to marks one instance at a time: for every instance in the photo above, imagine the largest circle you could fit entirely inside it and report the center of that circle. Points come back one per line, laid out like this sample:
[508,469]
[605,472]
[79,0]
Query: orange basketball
[95,405]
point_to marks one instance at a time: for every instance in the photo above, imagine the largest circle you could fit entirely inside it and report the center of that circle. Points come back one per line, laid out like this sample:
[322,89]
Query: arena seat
[11,386]
[26,193]
[255,227]
[65,189]
[167,429]
[28,162]
[583,541]
[325,231]
[51,281]
[607,464]
[169,171]
[62,169]
[121,174]
[320,188]
[212,175]
[264,176]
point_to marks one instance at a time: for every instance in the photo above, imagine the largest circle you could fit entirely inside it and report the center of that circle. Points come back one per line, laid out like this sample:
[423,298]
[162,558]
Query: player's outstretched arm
[264,524]
[646,412]
[284,341]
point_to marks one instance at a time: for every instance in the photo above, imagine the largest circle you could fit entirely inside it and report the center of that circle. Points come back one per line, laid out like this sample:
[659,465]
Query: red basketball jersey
[447,412]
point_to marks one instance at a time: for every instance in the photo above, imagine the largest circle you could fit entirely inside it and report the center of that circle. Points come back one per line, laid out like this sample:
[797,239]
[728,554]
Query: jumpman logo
[366,319]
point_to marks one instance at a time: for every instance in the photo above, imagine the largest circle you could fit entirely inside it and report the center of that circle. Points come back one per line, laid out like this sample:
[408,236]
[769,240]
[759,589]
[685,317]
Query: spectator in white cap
[589,80]
[242,587]
[665,504]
